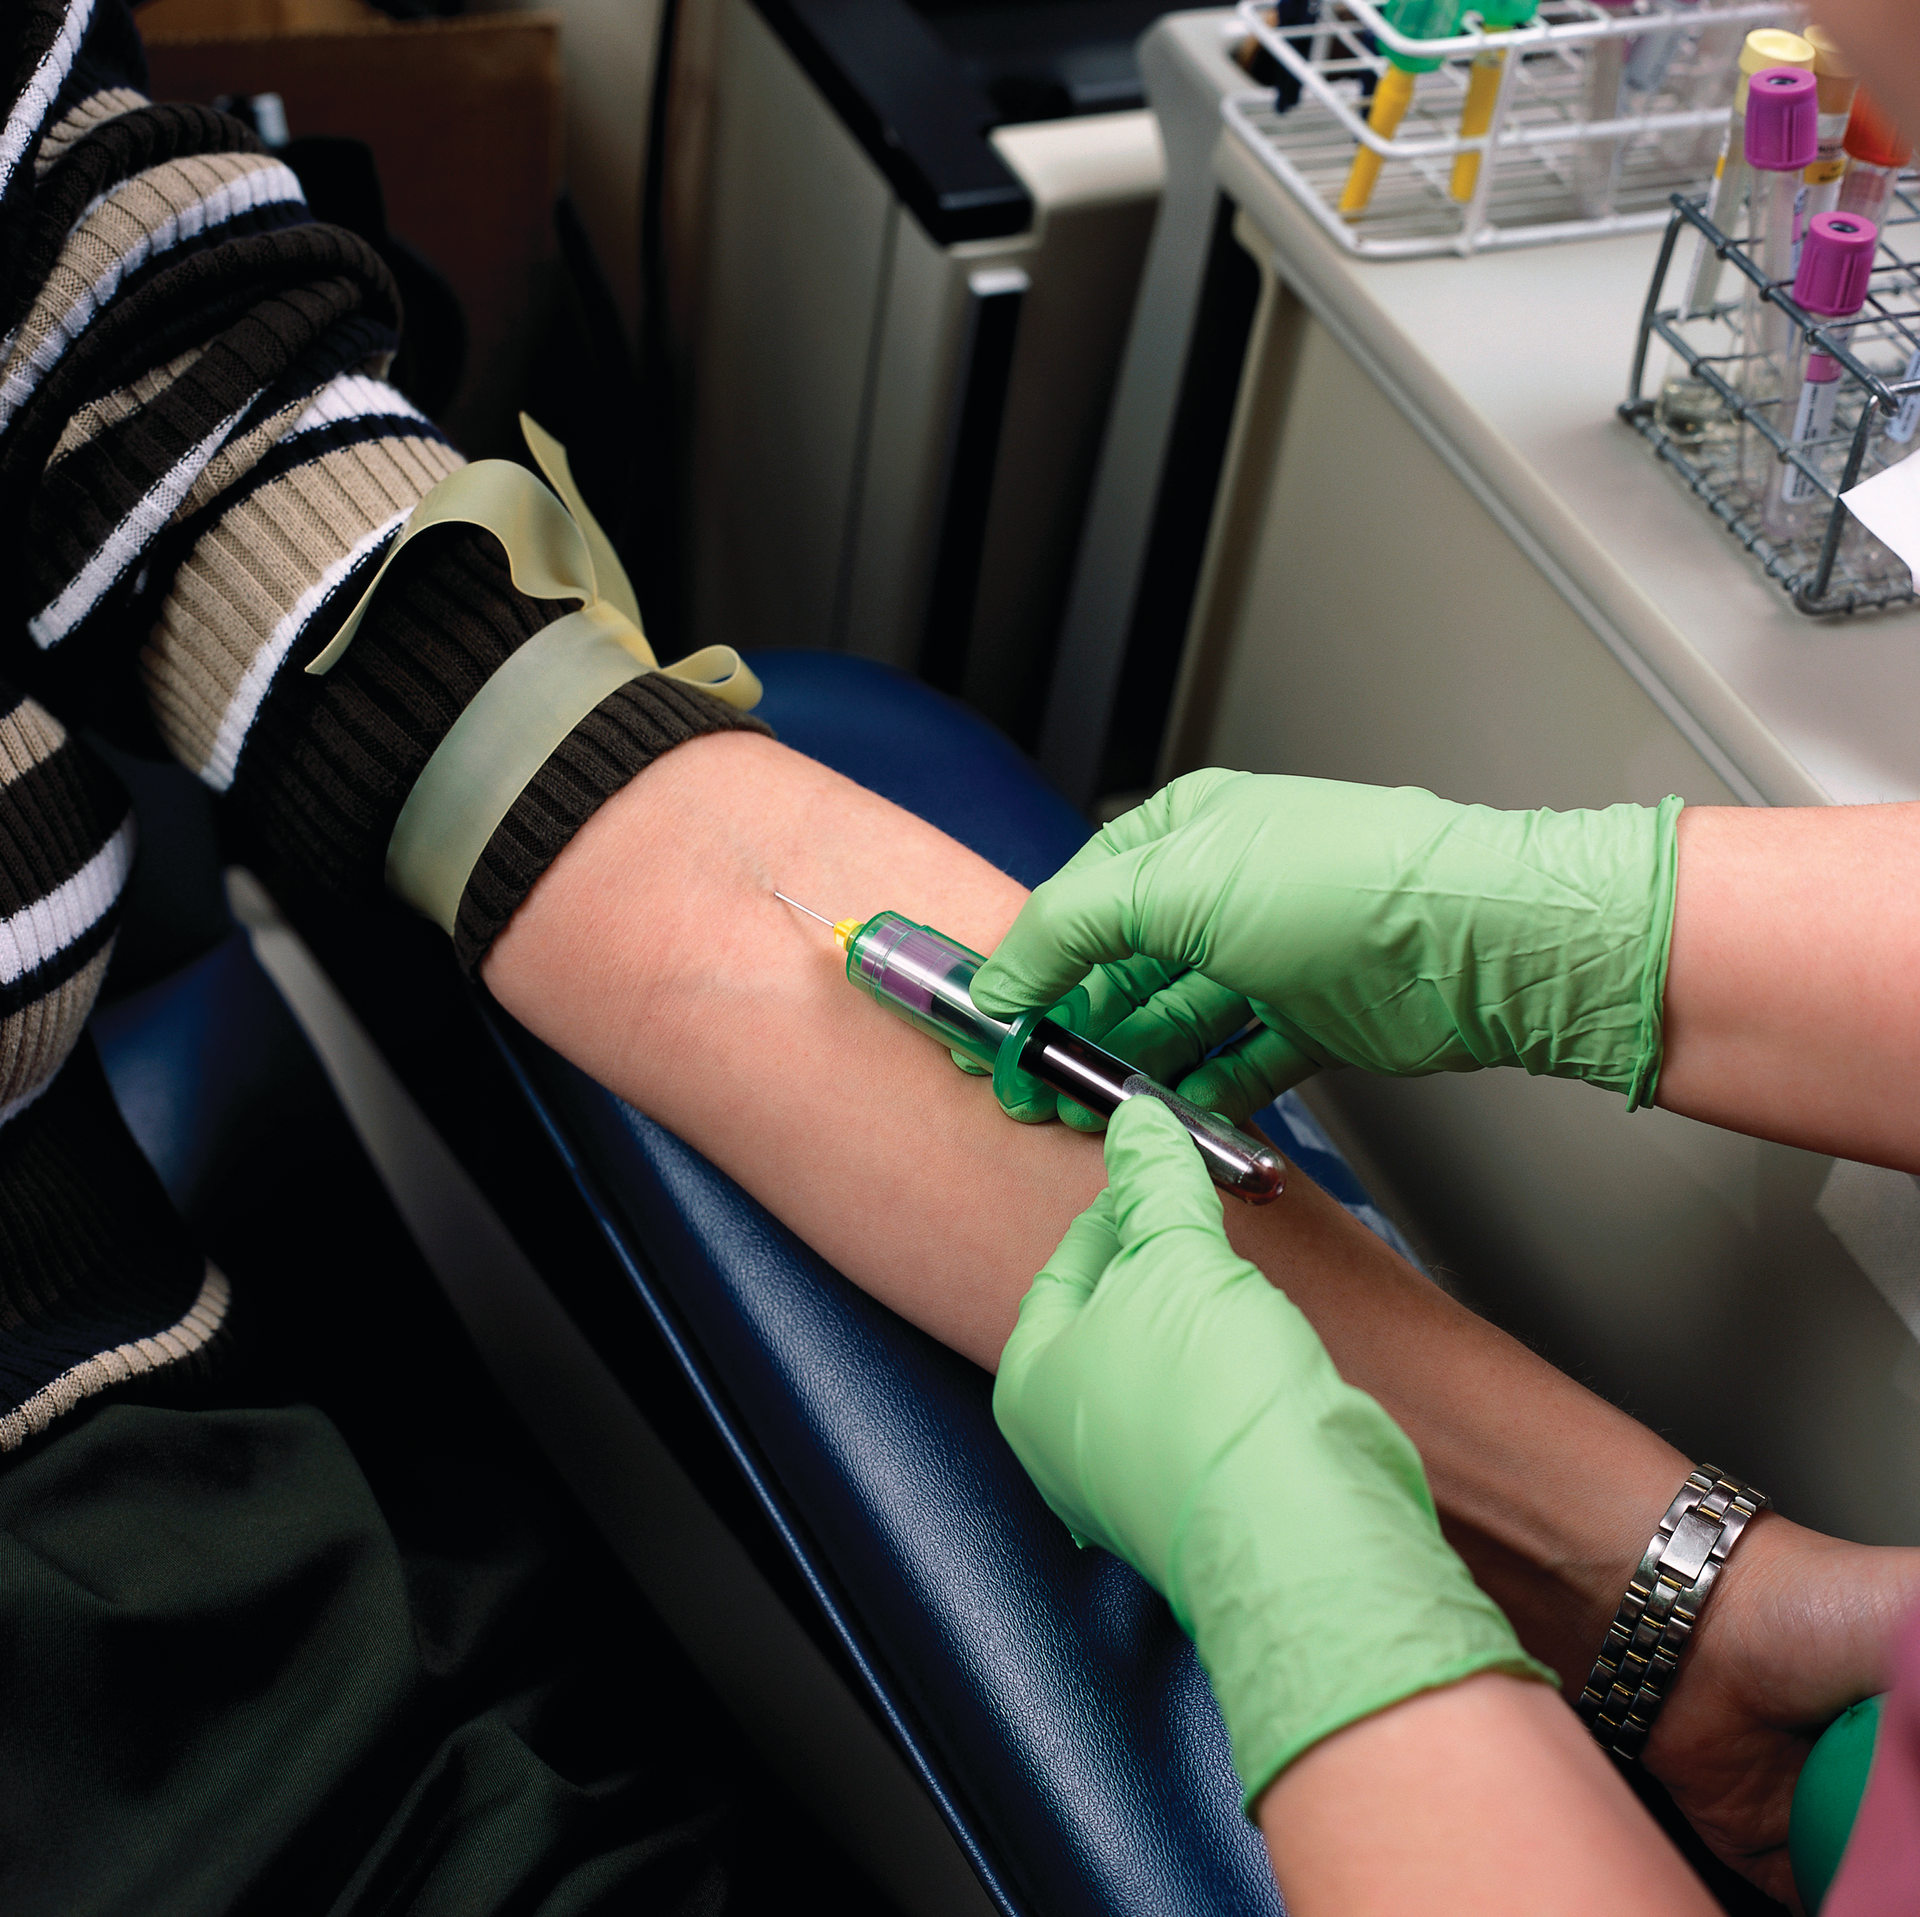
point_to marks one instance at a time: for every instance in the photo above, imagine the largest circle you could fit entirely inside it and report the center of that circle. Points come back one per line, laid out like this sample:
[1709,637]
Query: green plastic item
[1176,1409]
[1363,925]
[1421,20]
[923,976]
[1827,1799]
[929,974]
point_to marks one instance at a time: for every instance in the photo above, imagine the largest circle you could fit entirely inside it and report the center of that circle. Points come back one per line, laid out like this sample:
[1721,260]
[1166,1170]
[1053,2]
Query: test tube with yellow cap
[1727,200]
[1689,408]
[1483,87]
[1393,92]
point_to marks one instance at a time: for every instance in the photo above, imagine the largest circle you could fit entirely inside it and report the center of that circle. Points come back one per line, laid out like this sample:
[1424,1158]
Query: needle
[798,907]
[843,933]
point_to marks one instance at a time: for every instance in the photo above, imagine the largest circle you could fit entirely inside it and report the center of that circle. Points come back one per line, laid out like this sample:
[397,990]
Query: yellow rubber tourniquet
[519,718]
[524,712]
[608,573]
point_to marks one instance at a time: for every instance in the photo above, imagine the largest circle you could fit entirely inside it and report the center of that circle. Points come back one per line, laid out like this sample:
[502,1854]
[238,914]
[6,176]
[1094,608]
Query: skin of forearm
[1793,990]
[1484,1799]
[654,955]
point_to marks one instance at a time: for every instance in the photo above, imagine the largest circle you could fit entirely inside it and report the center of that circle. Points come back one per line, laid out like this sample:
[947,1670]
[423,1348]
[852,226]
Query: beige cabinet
[893,435]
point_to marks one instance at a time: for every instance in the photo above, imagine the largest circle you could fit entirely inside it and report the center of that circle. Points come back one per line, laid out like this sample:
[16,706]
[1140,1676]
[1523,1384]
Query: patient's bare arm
[654,955]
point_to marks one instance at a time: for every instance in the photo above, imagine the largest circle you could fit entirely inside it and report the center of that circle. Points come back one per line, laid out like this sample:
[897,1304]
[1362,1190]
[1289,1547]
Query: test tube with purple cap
[1782,135]
[1836,266]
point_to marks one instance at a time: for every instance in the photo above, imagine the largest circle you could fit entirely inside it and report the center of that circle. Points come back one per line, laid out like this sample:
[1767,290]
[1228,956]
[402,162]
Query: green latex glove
[1176,1409]
[1365,925]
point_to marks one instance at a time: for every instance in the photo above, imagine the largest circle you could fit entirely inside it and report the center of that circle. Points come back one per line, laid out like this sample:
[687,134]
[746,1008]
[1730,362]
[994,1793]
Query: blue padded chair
[1043,1695]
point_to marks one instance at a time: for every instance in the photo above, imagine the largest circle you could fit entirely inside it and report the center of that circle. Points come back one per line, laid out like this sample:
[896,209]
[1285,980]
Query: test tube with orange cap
[1838,84]
[1727,198]
[1876,151]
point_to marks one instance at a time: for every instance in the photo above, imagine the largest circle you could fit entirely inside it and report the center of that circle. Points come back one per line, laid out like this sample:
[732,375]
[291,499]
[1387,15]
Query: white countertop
[1511,364]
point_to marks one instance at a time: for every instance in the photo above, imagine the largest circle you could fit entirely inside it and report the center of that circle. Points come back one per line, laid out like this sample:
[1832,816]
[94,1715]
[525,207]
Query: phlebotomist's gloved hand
[1175,1408]
[1371,926]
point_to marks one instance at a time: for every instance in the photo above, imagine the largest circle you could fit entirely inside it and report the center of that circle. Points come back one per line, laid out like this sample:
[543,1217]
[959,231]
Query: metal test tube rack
[1542,149]
[1836,566]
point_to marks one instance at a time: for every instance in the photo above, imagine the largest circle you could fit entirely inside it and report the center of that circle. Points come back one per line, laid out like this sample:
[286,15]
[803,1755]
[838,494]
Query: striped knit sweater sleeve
[200,467]
[99,1283]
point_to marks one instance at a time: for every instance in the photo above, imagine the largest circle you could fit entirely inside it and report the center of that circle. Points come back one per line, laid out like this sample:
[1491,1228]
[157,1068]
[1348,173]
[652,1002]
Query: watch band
[1662,1604]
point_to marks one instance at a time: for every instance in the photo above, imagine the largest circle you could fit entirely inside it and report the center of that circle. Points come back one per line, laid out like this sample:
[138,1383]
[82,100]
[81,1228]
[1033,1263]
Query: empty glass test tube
[924,977]
[1652,53]
[1598,161]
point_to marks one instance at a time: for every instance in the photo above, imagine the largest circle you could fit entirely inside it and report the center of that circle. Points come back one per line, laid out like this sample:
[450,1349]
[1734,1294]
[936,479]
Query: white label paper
[1888,505]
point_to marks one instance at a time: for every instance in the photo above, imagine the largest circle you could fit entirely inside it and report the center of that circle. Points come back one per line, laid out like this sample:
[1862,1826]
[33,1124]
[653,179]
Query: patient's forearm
[654,955]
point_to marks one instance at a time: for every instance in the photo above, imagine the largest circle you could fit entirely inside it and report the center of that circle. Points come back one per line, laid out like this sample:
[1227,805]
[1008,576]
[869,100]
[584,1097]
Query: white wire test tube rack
[1573,147]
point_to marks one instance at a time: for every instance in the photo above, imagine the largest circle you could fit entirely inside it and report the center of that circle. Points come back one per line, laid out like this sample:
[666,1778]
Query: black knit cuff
[625,732]
[330,760]
[99,1281]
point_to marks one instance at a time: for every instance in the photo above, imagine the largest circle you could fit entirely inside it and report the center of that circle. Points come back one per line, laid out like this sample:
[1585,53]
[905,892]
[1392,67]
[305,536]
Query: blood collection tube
[1237,1162]
[1838,84]
[1782,135]
[1876,152]
[1836,263]
[1727,197]
[925,977]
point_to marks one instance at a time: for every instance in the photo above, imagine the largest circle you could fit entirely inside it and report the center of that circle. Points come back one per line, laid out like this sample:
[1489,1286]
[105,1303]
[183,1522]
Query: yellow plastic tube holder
[1391,98]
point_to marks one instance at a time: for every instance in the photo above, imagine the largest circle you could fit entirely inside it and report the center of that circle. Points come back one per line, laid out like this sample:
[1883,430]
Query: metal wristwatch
[1662,1604]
